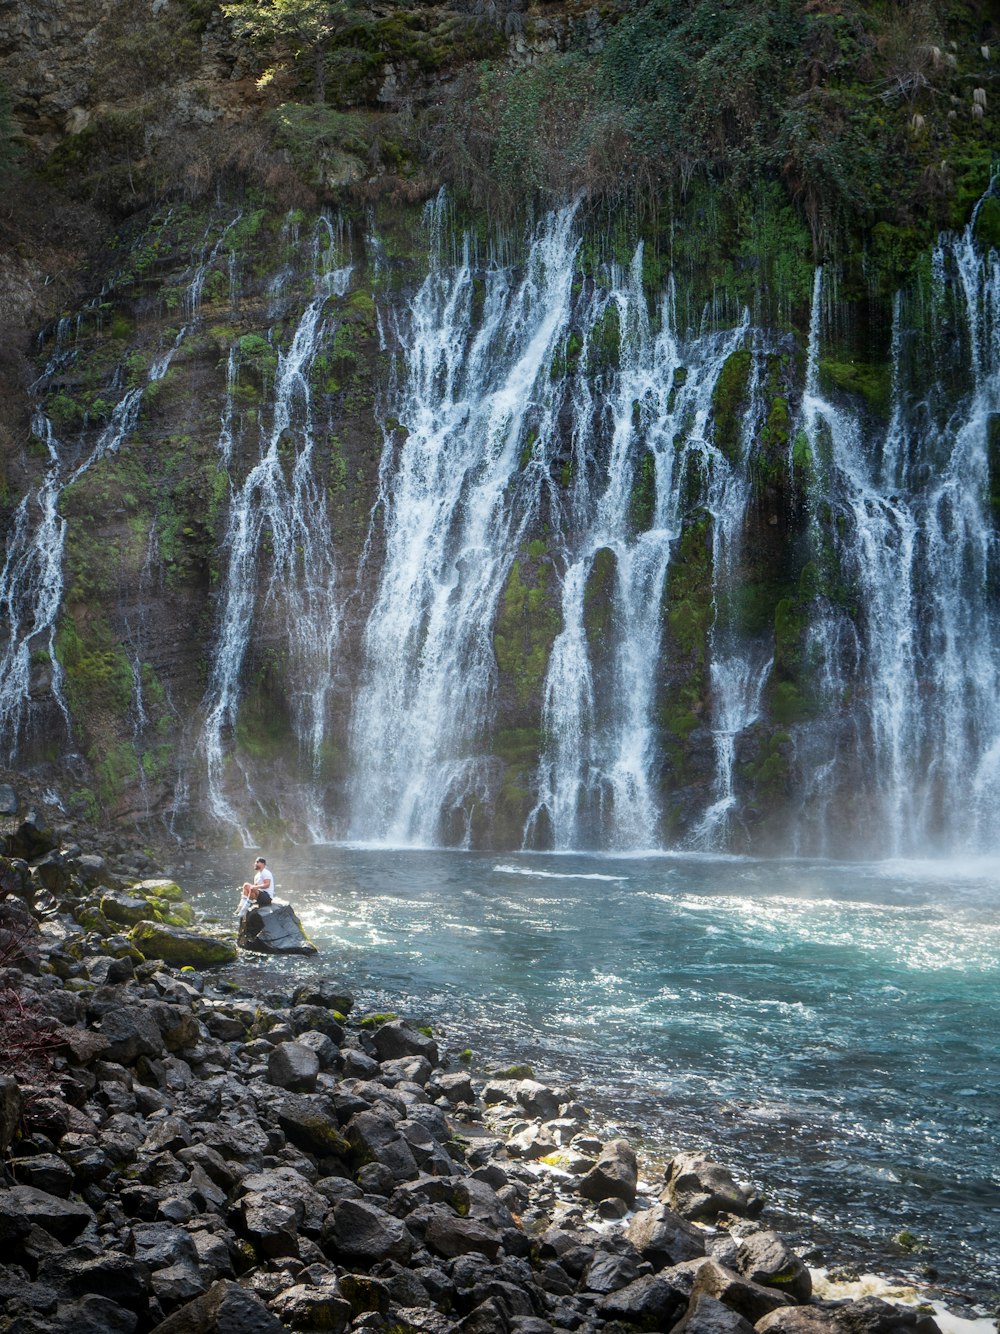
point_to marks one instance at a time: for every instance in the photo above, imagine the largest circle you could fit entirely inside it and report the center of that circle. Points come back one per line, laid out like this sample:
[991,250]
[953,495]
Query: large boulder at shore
[700,1189]
[614,1176]
[176,945]
[274,930]
[764,1257]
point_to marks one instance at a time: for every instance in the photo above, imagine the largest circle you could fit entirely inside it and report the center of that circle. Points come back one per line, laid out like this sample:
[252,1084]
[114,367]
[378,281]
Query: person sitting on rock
[261,892]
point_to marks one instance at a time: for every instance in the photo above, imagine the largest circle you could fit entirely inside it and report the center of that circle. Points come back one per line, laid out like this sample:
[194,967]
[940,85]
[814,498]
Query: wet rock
[176,945]
[310,1126]
[119,1277]
[162,1245]
[611,1270]
[357,1230]
[105,971]
[125,909]
[663,1237]
[44,1171]
[871,1315]
[52,872]
[764,1257]
[373,1136]
[649,1302]
[304,1018]
[274,930]
[797,1320]
[8,800]
[62,1219]
[751,1300]
[398,1038]
[700,1189]
[449,1235]
[10,1111]
[32,838]
[131,1032]
[326,992]
[456,1088]
[614,1176]
[706,1315]
[313,1306]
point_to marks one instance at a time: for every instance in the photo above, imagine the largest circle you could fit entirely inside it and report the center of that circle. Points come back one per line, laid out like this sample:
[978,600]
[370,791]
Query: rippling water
[830,1030]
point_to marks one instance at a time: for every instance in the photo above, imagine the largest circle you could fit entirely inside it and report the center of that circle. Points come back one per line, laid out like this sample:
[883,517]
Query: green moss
[870,381]
[642,502]
[730,402]
[988,222]
[519,1071]
[993,461]
[527,623]
[376,1020]
[689,591]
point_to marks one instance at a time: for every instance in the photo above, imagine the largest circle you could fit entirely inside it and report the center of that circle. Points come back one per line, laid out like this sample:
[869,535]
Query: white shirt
[265,880]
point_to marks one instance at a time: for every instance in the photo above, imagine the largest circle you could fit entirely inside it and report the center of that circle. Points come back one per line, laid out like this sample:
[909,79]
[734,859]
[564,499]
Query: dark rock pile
[184,1157]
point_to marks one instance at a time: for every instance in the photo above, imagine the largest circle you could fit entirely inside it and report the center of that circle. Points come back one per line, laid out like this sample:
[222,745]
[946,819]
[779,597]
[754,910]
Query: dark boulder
[614,1176]
[764,1257]
[700,1189]
[225,1308]
[274,930]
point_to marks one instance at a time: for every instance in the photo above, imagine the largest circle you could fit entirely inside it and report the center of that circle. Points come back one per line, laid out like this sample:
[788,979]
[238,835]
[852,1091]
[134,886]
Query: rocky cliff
[236,315]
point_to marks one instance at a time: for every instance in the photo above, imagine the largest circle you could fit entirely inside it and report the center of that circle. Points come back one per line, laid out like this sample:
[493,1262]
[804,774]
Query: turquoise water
[832,1031]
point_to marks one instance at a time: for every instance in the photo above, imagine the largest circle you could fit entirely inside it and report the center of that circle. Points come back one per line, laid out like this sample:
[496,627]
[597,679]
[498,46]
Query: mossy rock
[173,914]
[987,229]
[872,381]
[160,889]
[521,1071]
[125,909]
[175,945]
[376,1020]
[729,402]
[91,918]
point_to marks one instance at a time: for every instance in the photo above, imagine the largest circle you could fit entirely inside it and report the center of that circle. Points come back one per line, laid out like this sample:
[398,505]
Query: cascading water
[914,542]
[456,504]
[486,420]
[280,508]
[31,581]
[596,780]
[740,663]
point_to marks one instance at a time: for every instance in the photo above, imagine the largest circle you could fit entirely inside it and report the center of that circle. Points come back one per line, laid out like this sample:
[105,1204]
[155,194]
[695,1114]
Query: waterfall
[455,505]
[31,588]
[596,779]
[279,583]
[31,580]
[486,423]
[739,664]
[915,544]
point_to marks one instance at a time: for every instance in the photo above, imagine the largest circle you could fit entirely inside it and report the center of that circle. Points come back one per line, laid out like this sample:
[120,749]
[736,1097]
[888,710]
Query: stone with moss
[179,946]
[169,890]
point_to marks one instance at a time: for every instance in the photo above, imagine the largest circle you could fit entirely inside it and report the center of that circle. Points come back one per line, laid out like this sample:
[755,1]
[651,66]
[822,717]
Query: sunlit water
[831,1031]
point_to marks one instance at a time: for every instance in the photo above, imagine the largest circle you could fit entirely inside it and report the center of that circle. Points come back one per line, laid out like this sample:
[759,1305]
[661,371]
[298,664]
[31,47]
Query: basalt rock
[700,1189]
[175,945]
[274,930]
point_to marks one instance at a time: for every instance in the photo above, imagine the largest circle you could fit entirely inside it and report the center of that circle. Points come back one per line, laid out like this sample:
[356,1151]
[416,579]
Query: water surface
[831,1031]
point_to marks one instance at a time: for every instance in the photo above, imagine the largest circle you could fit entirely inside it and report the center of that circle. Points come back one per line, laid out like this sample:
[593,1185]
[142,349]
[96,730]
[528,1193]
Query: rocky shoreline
[181,1155]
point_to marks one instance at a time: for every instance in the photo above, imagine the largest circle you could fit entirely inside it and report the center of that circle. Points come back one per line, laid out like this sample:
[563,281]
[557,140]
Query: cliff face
[336,508]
